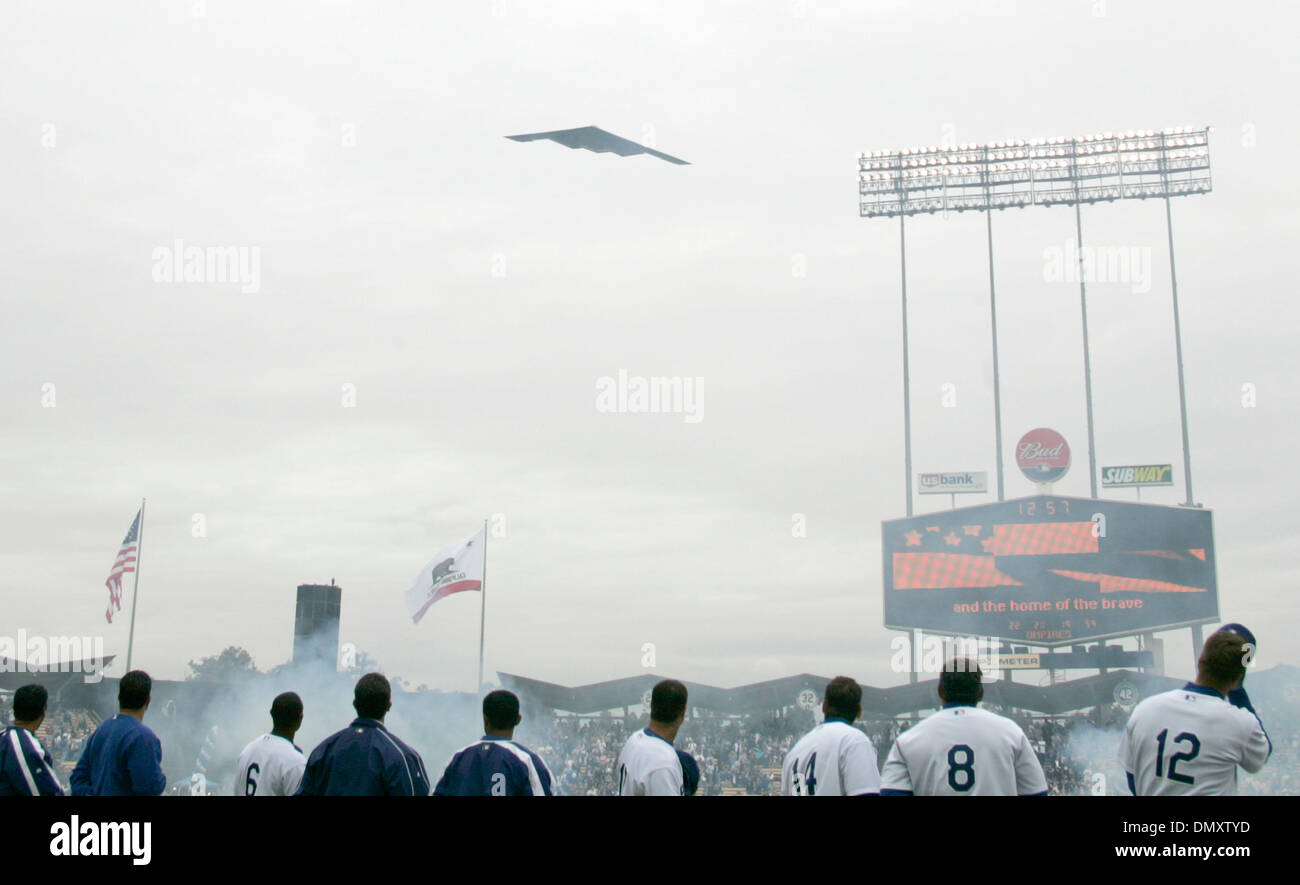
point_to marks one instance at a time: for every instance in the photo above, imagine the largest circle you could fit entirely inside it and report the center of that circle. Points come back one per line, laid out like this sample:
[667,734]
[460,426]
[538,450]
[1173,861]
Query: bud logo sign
[1043,455]
[952,483]
[1138,475]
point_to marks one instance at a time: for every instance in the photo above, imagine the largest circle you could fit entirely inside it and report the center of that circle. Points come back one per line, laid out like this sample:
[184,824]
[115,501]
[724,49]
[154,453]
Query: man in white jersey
[649,764]
[272,764]
[1190,741]
[834,759]
[962,750]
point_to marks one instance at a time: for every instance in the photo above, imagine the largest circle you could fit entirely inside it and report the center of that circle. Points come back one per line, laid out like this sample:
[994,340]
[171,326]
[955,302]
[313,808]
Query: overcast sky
[473,290]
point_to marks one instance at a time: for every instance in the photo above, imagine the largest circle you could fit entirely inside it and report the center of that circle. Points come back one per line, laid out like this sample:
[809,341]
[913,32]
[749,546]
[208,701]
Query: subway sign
[1137,475]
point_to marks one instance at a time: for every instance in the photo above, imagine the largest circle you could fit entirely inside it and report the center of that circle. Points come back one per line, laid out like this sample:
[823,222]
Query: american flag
[124,563]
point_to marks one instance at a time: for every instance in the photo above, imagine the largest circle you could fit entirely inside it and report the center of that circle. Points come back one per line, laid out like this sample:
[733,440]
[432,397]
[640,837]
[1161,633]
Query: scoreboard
[1050,570]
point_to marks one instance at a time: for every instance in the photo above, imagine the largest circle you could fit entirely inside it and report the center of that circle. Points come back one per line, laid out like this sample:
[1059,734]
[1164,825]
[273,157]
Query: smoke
[1094,752]
[204,725]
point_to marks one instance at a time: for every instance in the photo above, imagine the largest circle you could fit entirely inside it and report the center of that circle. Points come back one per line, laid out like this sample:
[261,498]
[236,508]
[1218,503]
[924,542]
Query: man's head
[668,702]
[286,713]
[843,698]
[959,683]
[134,691]
[1222,664]
[1251,647]
[372,698]
[29,706]
[501,713]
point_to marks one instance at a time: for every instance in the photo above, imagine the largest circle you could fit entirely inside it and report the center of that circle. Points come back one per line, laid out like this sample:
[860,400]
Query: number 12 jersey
[1189,742]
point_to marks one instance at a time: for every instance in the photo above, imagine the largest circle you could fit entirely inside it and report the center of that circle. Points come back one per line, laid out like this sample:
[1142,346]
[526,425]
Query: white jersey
[962,750]
[834,759]
[649,766]
[1189,742]
[269,766]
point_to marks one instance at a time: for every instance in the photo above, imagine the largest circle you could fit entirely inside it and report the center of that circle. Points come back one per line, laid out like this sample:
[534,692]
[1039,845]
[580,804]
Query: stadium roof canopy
[593,138]
[15,673]
[776,694]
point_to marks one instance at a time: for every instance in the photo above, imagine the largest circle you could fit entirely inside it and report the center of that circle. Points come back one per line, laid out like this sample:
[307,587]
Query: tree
[361,663]
[228,666]
[358,662]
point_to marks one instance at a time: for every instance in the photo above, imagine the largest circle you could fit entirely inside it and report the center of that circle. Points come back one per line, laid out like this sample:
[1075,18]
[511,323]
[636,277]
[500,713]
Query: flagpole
[135,593]
[482,612]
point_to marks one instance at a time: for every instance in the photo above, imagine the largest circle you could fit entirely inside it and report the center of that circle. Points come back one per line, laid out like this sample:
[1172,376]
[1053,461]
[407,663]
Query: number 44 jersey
[963,751]
[1189,742]
[269,766]
[834,759]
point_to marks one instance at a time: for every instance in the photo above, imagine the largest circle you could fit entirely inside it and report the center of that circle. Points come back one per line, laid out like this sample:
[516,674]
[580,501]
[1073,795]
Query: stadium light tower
[1054,171]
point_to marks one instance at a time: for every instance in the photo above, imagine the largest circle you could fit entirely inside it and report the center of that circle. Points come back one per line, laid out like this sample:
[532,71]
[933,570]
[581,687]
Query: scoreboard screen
[1049,570]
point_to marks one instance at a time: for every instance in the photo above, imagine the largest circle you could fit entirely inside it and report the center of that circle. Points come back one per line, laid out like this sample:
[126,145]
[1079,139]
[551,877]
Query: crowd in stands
[1281,776]
[579,752]
[741,756]
[65,731]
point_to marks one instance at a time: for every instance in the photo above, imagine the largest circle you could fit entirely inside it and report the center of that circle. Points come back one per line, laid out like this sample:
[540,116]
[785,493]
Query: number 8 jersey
[1189,742]
[963,751]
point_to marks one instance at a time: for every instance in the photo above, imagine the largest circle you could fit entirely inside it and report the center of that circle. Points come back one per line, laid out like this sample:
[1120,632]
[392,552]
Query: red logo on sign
[1043,455]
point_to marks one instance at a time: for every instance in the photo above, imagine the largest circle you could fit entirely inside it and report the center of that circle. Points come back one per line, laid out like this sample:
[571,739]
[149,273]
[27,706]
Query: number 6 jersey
[1189,742]
[963,751]
[269,766]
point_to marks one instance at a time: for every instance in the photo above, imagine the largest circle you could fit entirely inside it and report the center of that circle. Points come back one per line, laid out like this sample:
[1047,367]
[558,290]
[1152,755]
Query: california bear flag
[455,568]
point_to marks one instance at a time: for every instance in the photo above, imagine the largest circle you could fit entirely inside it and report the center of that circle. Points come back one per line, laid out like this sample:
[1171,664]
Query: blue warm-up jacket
[122,758]
[364,759]
[26,768]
